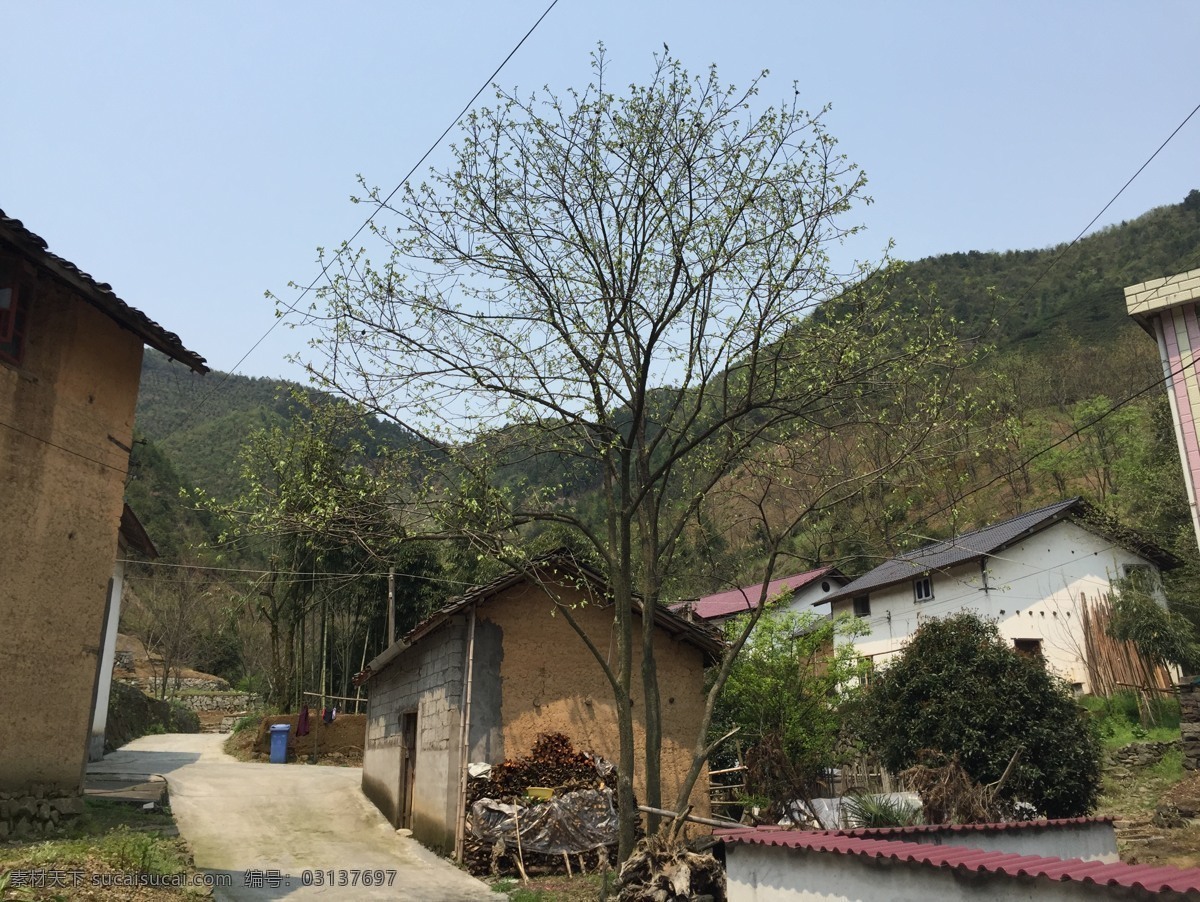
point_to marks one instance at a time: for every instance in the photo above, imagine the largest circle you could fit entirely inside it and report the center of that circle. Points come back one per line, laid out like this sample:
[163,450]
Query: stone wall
[173,685]
[37,812]
[1189,724]
[219,701]
[1139,754]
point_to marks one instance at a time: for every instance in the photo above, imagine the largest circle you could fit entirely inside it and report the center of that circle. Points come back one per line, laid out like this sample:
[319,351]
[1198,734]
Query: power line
[46,441]
[325,267]
[306,574]
[1054,262]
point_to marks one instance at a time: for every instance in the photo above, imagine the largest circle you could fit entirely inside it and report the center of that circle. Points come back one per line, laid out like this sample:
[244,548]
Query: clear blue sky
[195,155]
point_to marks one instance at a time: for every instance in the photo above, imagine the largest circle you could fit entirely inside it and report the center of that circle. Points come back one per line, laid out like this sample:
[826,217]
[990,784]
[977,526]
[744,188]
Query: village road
[273,828]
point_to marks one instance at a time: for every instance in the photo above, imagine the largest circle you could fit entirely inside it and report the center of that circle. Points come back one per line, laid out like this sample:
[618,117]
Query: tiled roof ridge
[102,296]
[956,540]
[1151,878]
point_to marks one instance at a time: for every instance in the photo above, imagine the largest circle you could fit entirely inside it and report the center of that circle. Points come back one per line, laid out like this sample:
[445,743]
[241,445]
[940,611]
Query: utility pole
[391,606]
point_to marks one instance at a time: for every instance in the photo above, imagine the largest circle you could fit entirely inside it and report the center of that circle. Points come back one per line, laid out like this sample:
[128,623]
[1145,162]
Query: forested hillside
[1040,296]
[1067,403]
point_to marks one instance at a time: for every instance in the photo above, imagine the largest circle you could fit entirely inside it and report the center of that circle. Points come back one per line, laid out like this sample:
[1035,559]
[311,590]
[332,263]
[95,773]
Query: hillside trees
[620,284]
[316,509]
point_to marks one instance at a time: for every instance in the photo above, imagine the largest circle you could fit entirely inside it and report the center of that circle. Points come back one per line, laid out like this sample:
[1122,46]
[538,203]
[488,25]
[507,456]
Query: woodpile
[555,769]
[553,763]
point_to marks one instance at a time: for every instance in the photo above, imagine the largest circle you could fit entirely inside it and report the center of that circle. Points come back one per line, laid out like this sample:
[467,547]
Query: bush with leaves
[957,688]
[785,695]
[1162,636]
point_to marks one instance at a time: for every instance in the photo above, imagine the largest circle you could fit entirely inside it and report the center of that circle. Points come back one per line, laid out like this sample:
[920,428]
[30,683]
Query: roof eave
[99,294]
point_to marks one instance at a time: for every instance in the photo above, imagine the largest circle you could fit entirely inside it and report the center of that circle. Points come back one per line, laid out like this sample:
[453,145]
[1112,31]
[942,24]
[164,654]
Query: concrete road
[287,831]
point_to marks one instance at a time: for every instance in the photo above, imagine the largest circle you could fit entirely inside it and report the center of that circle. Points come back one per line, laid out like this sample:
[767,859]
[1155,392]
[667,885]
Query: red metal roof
[1154,879]
[739,601]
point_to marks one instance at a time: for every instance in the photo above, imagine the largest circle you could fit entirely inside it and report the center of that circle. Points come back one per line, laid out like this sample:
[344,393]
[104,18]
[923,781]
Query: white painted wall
[815,593]
[760,873]
[1033,589]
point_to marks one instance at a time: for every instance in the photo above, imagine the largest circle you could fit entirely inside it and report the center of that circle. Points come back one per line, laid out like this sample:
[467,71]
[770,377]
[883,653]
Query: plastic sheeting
[573,822]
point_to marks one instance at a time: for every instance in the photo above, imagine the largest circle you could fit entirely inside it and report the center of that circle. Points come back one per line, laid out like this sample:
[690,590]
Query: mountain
[1039,295]
[1063,338]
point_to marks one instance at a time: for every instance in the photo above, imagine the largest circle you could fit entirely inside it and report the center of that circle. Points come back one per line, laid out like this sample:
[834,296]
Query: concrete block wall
[427,678]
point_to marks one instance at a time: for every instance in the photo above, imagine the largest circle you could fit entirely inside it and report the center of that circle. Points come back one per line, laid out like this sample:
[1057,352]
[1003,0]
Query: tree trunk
[652,716]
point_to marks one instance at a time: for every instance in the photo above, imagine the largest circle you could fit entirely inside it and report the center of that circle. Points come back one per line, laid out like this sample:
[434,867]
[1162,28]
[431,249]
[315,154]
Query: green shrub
[249,722]
[871,810]
[957,688]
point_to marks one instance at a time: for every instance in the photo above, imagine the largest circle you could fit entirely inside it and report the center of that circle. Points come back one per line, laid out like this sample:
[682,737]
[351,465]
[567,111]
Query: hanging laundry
[302,721]
[327,715]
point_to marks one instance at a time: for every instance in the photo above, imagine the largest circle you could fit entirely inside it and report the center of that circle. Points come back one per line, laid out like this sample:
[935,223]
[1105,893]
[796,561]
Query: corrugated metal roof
[1041,824]
[1153,879]
[970,546]
[739,601]
[99,294]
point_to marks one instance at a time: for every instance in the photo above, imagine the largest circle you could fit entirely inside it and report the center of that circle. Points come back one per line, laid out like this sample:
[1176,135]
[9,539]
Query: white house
[1045,577]
[812,587]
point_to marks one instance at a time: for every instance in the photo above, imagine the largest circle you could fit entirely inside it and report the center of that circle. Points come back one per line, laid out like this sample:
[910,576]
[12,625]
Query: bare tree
[634,293]
[173,613]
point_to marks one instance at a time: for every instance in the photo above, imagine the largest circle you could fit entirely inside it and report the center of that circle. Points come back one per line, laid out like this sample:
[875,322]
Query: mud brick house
[481,678]
[70,362]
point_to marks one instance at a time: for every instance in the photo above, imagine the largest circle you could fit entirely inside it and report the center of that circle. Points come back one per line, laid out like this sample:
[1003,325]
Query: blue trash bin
[279,738]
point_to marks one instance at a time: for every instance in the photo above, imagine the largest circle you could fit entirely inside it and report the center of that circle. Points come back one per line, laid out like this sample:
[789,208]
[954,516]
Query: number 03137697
[348,877]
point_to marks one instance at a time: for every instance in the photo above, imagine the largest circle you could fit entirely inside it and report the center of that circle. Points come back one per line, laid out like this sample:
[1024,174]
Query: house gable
[1036,588]
[68,390]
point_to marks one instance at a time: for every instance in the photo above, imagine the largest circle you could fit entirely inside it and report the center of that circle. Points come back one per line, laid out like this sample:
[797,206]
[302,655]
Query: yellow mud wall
[550,682]
[65,412]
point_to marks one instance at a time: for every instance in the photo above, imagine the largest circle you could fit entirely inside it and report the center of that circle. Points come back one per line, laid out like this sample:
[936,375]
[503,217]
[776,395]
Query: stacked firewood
[555,765]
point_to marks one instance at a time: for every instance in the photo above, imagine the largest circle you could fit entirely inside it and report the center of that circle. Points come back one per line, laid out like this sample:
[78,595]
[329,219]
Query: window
[14,318]
[923,588]
[1030,648]
[862,606]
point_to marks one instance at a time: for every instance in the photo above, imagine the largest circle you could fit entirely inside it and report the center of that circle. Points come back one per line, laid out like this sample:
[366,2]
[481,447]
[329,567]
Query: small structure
[70,362]
[773,865]
[1045,576]
[1166,308]
[812,587]
[131,538]
[479,680]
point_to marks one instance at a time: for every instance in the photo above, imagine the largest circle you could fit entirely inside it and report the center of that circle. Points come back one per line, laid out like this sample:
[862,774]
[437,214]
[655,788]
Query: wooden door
[408,766]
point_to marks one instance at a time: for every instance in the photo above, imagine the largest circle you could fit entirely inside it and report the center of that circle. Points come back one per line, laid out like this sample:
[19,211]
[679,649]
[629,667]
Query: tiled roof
[1153,879]
[738,601]
[98,294]
[940,556]
[550,565]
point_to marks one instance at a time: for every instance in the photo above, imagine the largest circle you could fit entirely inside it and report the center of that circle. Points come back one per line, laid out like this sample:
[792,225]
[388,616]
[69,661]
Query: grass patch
[581,888]
[108,837]
[1119,719]
[1139,791]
